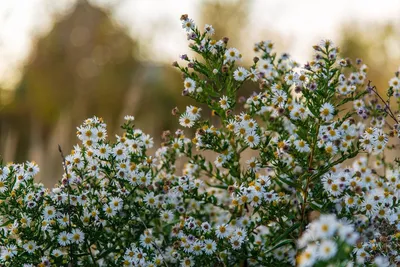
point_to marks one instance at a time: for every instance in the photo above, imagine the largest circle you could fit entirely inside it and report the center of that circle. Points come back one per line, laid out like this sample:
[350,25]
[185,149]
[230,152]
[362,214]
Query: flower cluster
[245,188]
[326,240]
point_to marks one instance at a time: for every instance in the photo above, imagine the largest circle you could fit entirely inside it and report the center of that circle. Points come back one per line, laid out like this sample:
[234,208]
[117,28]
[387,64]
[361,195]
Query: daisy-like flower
[232,55]
[209,30]
[76,236]
[49,212]
[253,164]
[327,249]
[395,83]
[308,257]
[189,85]
[63,239]
[279,98]
[252,139]
[265,66]
[167,216]
[188,24]
[210,246]
[116,203]
[119,152]
[206,227]
[3,186]
[146,241]
[330,148]
[109,211]
[253,75]
[325,227]
[150,199]
[240,74]
[236,242]
[57,253]
[224,102]
[193,111]
[186,120]
[197,248]
[103,151]
[326,111]
[30,247]
[187,262]
[222,231]
[32,168]
[302,146]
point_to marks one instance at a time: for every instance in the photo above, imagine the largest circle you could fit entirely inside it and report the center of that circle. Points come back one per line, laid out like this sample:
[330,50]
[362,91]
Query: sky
[302,22]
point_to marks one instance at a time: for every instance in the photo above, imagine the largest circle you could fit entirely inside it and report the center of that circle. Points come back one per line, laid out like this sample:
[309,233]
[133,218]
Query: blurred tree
[85,66]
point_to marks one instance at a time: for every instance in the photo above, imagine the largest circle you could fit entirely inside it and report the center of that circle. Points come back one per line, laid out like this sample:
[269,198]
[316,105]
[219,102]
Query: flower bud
[175,110]
[184,17]
[185,92]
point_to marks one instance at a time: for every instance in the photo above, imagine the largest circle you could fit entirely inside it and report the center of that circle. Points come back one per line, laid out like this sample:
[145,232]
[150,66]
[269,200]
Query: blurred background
[66,60]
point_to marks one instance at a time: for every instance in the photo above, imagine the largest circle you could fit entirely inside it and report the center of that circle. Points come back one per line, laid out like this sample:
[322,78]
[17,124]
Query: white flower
[189,85]
[209,29]
[116,203]
[188,24]
[210,246]
[236,242]
[325,227]
[129,118]
[57,253]
[30,247]
[264,66]
[193,111]
[232,55]
[49,212]
[150,199]
[240,74]
[302,146]
[63,239]
[253,164]
[3,186]
[76,236]
[109,211]
[186,120]
[327,249]
[187,262]
[279,98]
[167,215]
[326,111]
[146,241]
[119,151]
[224,102]
[222,231]
[205,226]
[395,83]
[252,139]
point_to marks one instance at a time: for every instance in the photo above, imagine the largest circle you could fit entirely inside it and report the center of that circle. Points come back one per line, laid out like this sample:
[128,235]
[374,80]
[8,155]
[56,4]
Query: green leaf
[280,244]
[288,231]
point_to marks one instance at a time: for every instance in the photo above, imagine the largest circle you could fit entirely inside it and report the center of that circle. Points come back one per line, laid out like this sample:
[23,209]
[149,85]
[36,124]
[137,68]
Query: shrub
[317,188]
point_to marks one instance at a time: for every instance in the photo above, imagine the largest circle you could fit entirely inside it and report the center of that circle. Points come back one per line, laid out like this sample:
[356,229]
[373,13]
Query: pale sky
[302,22]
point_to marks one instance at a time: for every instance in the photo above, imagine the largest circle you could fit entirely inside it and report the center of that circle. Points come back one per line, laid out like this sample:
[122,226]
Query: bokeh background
[63,61]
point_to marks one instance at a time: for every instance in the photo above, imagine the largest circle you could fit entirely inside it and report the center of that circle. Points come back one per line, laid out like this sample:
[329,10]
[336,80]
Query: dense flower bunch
[299,174]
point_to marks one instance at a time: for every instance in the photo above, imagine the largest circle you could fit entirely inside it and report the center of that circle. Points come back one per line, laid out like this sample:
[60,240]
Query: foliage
[293,201]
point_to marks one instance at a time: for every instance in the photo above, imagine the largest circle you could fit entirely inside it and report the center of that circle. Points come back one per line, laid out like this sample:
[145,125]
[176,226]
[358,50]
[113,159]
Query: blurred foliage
[378,45]
[87,65]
